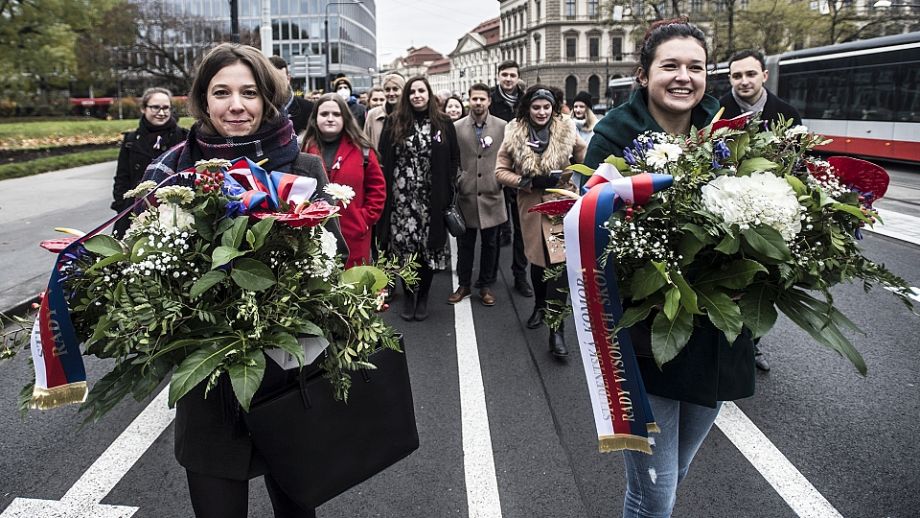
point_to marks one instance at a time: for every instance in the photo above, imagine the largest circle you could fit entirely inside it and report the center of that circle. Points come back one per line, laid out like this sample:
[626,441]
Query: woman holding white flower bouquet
[235,98]
[687,392]
[351,162]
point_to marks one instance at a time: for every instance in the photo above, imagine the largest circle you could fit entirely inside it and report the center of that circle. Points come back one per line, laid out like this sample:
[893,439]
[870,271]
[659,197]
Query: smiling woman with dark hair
[420,162]
[538,145]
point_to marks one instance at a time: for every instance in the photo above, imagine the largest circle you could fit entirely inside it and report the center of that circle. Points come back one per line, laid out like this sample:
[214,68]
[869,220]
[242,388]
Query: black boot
[421,304]
[536,318]
[557,343]
[409,299]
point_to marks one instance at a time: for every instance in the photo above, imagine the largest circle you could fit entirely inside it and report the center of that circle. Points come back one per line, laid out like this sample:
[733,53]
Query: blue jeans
[652,480]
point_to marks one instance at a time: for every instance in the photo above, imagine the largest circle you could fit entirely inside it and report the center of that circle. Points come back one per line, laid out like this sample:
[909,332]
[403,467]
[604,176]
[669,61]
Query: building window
[594,48]
[696,6]
[594,87]
[571,44]
[571,88]
[536,47]
[537,10]
[570,8]
[616,48]
[592,8]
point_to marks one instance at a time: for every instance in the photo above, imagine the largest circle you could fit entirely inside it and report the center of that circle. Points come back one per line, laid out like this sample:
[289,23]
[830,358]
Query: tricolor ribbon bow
[622,414]
[259,190]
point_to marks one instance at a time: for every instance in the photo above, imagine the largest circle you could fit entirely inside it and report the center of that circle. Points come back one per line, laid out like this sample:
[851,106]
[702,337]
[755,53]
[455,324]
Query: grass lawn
[43,134]
[55,163]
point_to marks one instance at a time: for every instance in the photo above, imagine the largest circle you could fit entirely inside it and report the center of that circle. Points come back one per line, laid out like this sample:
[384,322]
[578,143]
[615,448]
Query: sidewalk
[30,208]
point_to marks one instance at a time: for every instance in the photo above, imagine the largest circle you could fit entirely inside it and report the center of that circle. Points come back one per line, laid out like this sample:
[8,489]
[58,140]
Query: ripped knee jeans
[652,480]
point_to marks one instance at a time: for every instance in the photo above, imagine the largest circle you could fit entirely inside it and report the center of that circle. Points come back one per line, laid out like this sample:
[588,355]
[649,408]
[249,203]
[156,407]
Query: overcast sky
[436,23]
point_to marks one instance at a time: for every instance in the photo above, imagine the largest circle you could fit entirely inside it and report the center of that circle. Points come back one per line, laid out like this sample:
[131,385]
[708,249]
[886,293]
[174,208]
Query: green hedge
[55,163]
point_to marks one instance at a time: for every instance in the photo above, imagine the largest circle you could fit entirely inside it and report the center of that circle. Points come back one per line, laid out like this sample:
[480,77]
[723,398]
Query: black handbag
[317,448]
[453,218]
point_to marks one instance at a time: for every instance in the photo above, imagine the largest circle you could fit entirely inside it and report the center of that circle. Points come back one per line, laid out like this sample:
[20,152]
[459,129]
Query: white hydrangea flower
[173,216]
[758,199]
[339,192]
[662,153]
[328,243]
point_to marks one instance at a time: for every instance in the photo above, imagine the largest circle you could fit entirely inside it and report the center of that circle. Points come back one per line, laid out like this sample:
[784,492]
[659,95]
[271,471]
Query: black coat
[499,108]
[771,110]
[445,162]
[211,434]
[299,112]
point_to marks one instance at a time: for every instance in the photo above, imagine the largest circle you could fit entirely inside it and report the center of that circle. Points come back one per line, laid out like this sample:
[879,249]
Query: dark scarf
[275,141]
[156,134]
[510,99]
[540,137]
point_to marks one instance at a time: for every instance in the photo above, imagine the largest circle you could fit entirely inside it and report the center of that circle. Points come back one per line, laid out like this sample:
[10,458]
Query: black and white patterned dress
[411,195]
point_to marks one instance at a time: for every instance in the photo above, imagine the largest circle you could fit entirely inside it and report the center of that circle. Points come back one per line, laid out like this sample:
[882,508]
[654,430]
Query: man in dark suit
[503,104]
[298,108]
[747,73]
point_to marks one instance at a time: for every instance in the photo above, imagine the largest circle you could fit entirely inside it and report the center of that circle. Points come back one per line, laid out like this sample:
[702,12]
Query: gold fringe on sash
[609,443]
[48,398]
[653,428]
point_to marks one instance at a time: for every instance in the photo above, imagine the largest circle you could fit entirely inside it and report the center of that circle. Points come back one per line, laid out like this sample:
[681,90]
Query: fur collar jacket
[557,155]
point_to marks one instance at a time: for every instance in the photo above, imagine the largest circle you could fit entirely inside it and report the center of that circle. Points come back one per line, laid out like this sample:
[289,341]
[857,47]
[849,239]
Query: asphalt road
[854,439]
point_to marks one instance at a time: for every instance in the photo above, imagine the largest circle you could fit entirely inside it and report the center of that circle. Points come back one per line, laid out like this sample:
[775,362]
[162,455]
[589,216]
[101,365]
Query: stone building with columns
[567,43]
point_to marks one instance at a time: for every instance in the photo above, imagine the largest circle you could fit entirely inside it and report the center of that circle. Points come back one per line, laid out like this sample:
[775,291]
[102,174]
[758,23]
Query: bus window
[908,82]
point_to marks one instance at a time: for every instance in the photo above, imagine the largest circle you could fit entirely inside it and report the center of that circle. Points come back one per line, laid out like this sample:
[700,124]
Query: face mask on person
[344,92]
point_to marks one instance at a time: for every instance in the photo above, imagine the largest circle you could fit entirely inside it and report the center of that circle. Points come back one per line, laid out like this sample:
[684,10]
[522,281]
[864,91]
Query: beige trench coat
[481,199]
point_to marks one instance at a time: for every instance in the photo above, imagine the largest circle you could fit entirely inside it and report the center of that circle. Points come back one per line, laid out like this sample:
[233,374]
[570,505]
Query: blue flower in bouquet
[720,153]
[629,157]
[234,208]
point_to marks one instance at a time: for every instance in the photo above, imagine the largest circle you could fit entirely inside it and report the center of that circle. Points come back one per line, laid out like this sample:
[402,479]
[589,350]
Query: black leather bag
[317,448]
[453,218]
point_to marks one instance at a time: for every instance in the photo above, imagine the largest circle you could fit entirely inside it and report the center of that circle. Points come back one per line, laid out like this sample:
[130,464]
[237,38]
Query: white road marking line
[914,292]
[82,500]
[899,226]
[795,489]
[478,463]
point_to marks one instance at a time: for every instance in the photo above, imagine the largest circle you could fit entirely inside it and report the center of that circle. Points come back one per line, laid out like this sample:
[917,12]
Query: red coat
[365,208]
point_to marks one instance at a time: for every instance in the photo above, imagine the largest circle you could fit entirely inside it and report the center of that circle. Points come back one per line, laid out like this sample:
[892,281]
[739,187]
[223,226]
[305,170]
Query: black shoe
[557,344]
[408,309]
[421,307]
[523,287]
[761,362]
[536,319]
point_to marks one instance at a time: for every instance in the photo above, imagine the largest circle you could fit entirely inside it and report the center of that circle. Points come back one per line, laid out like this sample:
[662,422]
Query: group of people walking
[406,159]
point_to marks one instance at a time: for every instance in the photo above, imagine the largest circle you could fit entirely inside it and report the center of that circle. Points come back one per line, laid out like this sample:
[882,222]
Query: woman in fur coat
[538,145]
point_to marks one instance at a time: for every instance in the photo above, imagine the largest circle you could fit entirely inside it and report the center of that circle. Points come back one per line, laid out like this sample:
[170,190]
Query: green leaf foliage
[822,322]
[729,245]
[723,313]
[580,169]
[688,297]
[671,302]
[102,263]
[195,368]
[103,245]
[288,343]
[223,255]
[206,282]
[647,280]
[246,376]
[233,237]
[365,277]
[617,162]
[757,309]
[252,275]
[755,164]
[766,243]
[670,336]
[259,231]
[735,275]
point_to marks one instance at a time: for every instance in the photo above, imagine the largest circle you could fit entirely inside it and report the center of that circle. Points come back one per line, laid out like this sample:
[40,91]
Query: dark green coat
[708,369]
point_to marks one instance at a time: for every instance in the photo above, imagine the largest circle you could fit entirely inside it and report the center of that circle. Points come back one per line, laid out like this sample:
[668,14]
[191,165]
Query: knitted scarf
[275,141]
[757,107]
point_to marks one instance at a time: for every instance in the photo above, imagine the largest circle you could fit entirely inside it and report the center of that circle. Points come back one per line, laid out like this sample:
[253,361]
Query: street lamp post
[326,30]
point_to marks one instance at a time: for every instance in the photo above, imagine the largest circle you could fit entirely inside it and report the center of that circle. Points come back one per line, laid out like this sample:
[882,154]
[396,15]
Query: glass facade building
[298,30]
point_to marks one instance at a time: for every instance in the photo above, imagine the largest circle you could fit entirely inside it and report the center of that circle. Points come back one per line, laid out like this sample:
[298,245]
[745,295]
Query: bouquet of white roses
[751,225]
[224,266]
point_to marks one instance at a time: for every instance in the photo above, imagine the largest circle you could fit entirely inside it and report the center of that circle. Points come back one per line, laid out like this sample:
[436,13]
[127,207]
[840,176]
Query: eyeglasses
[157,109]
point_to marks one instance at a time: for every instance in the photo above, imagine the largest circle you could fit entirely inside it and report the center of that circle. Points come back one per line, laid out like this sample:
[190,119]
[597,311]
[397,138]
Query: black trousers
[546,290]
[488,256]
[214,497]
[518,259]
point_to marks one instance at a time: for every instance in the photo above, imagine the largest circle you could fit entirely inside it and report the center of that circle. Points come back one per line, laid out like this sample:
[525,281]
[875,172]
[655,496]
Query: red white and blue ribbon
[622,414]
[266,191]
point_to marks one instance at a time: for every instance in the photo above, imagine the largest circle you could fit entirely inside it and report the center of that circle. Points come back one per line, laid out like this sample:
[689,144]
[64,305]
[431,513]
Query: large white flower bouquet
[753,224]
[205,283]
